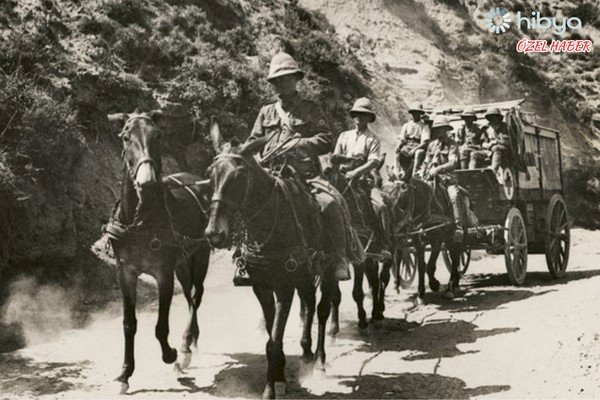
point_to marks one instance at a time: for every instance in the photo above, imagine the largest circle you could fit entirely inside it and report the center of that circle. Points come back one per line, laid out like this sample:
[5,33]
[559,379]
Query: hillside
[64,65]
[438,52]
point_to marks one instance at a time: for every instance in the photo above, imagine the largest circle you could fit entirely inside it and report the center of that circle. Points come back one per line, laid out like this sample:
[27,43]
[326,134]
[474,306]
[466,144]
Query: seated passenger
[469,140]
[441,159]
[413,139]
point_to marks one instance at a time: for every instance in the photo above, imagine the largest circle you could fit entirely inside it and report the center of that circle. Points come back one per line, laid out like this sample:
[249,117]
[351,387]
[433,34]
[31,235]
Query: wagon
[520,213]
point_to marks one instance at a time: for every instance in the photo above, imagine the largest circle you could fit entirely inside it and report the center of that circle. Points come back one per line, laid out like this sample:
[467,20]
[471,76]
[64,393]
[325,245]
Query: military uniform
[412,143]
[302,117]
[470,141]
[441,159]
[496,141]
[300,124]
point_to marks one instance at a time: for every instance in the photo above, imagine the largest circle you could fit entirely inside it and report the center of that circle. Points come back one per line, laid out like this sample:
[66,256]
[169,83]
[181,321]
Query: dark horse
[157,230]
[359,203]
[277,232]
[420,206]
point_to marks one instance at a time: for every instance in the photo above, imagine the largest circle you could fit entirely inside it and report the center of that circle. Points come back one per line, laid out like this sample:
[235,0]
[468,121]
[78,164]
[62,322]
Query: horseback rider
[357,152]
[441,159]
[469,140]
[413,140]
[294,129]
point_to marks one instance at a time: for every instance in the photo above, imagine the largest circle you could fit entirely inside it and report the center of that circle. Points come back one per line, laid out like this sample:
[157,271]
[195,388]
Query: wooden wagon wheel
[465,260]
[558,238]
[515,246]
[405,266]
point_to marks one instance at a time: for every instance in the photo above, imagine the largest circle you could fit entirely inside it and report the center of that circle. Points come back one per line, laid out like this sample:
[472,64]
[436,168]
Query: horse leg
[275,355]
[384,280]
[420,256]
[165,295]
[265,297]
[128,284]
[372,272]
[191,276]
[358,295]
[453,284]
[306,292]
[323,310]
[336,299]
[434,284]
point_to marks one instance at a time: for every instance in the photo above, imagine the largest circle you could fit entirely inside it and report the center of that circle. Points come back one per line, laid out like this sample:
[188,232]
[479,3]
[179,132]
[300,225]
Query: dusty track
[539,341]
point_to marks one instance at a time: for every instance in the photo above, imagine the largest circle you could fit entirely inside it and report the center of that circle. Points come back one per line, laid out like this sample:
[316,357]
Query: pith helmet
[283,64]
[493,111]
[416,108]
[441,121]
[363,106]
[468,114]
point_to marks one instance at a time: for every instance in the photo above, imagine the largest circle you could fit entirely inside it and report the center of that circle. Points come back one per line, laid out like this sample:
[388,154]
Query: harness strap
[288,197]
[191,192]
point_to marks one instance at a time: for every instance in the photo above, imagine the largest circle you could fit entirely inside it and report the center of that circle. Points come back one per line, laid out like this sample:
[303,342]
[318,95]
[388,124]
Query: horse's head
[141,147]
[231,179]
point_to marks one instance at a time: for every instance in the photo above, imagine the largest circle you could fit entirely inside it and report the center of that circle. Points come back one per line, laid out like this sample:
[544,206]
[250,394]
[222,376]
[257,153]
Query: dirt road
[538,341]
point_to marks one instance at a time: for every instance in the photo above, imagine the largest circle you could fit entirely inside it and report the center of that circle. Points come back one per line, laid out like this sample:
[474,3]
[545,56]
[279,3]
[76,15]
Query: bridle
[144,160]
[242,208]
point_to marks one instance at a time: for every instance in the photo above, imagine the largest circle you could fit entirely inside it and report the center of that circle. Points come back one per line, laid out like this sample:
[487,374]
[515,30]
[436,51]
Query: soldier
[469,140]
[296,129]
[440,162]
[497,138]
[357,151]
[413,140]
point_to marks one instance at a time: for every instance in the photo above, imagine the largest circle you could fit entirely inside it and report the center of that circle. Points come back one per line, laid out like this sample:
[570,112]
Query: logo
[497,20]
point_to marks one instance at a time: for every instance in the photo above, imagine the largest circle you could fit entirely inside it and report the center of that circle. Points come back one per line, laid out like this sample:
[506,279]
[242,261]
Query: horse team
[297,230]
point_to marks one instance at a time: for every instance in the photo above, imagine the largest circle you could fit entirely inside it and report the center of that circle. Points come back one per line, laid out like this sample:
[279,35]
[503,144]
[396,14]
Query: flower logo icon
[497,20]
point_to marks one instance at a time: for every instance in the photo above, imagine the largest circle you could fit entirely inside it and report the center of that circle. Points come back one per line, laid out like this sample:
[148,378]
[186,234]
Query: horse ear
[215,135]
[136,111]
[155,115]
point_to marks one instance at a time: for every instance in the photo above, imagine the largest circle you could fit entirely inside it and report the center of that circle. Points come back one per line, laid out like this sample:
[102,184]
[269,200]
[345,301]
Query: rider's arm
[452,161]
[425,137]
[318,139]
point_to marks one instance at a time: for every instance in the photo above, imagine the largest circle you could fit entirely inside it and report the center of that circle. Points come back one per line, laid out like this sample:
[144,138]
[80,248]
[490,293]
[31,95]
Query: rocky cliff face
[439,53]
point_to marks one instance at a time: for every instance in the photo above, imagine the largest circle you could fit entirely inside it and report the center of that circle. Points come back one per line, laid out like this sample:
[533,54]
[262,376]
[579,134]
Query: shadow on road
[533,279]
[432,339]
[248,379]
[20,375]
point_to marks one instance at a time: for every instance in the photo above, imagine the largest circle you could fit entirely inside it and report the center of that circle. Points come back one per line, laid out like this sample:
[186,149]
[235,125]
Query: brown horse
[419,206]
[156,228]
[278,221]
[363,219]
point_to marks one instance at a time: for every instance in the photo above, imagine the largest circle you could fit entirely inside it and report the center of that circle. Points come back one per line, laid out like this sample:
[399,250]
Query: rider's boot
[453,193]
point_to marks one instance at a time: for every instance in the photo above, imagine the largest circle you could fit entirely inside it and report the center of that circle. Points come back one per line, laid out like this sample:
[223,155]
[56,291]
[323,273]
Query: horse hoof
[434,285]
[280,389]
[307,357]
[120,387]
[185,360]
[363,324]
[170,356]
[334,330]
[319,366]
[269,392]
[449,294]
[418,302]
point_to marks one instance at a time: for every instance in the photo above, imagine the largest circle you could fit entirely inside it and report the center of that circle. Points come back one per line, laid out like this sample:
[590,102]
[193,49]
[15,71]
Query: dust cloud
[42,311]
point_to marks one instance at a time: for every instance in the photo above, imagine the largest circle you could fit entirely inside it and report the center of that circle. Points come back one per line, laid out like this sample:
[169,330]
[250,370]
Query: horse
[363,220]
[156,228]
[281,247]
[419,206]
